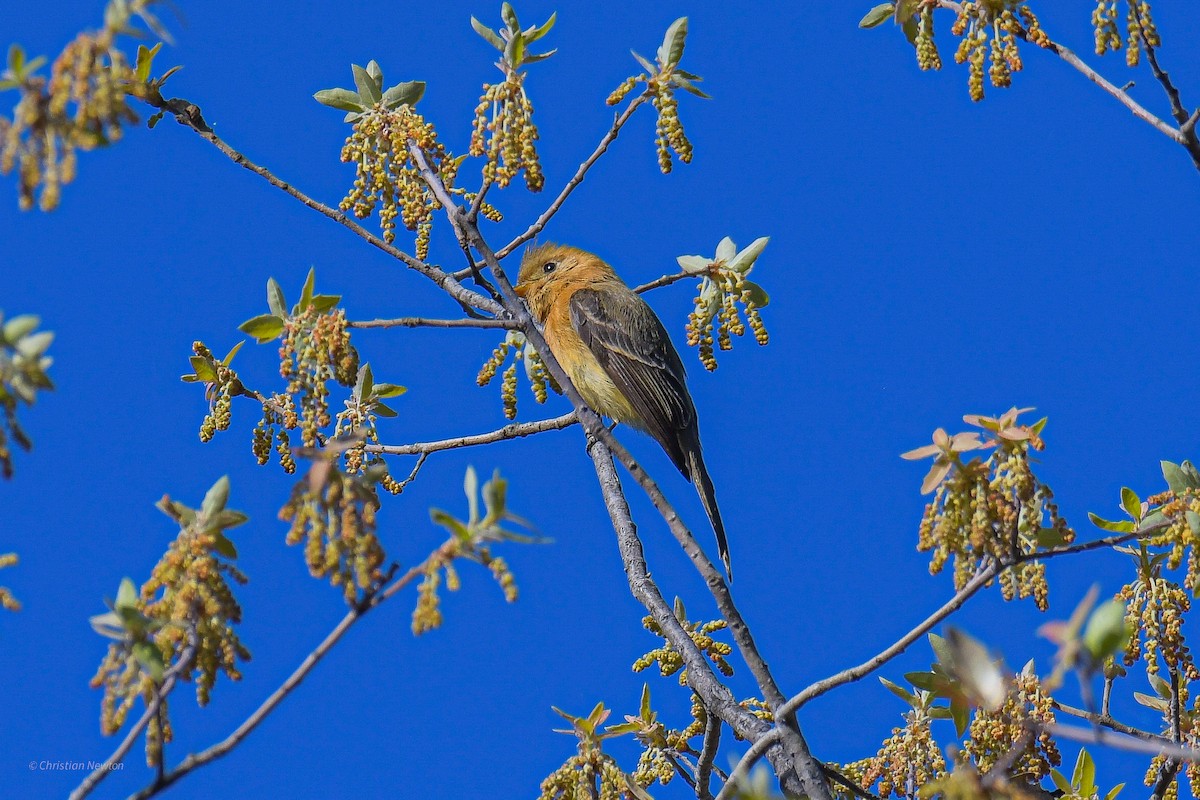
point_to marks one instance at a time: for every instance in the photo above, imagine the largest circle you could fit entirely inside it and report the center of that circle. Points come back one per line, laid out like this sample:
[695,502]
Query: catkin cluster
[993,509]
[906,761]
[334,515]
[505,133]
[7,601]
[315,350]
[1155,609]
[427,615]
[386,175]
[540,380]
[994,734]
[669,135]
[716,311]
[188,602]
[80,107]
[668,658]
[988,45]
[1140,29]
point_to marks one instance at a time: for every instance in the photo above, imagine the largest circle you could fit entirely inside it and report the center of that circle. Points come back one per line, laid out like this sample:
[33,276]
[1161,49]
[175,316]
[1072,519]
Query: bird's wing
[629,341]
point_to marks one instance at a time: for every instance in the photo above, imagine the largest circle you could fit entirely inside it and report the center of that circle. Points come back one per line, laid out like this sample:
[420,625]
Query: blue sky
[929,257]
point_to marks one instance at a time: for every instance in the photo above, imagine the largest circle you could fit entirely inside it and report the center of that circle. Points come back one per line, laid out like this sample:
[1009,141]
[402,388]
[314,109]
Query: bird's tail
[708,496]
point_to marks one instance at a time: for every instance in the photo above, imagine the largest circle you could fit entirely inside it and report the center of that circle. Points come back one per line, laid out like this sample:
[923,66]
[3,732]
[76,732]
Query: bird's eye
[549,266]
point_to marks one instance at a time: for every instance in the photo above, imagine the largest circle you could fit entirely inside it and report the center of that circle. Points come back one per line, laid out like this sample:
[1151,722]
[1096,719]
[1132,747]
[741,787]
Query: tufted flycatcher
[618,355]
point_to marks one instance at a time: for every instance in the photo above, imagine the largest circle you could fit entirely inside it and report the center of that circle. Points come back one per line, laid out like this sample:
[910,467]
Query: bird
[619,356]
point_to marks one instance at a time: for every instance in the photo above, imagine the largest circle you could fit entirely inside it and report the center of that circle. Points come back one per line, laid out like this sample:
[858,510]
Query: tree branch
[708,753]
[514,430]
[666,280]
[168,685]
[188,114]
[576,179]
[422,322]
[378,596]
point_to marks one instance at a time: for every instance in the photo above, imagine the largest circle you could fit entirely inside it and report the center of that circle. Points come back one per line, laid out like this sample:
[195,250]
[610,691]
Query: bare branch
[1105,721]
[576,179]
[1187,124]
[423,322]
[665,280]
[515,430]
[378,596]
[708,752]
[1119,742]
[188,114]
[168,685]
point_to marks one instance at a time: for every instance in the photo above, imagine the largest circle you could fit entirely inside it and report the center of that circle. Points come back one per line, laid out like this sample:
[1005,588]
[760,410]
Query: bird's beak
[521,289]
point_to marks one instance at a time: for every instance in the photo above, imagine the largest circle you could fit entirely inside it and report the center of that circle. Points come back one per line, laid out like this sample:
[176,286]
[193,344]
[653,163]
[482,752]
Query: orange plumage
[618,355]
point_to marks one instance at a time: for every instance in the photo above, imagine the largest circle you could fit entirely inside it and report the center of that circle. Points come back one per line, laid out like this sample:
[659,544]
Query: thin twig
[380,594]
[188,114]
[514,430]
[168,685]
[1187,124]
[412,476]
[708,752]
[854,788]
[666,280]
[423,322]
[1105,721]
[576,179]
[1119,742]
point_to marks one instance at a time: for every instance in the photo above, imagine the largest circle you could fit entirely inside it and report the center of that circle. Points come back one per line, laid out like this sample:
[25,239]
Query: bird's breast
[585,372]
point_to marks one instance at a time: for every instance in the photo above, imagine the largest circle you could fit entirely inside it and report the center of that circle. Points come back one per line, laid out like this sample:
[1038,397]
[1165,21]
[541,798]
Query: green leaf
[306,293]
[222,545]
[1174,477]
[150,657]
[108,625]
[376,73]
[510,18]
[368,90]
[533,58]
[533,34]
[1161,687]
[216,498]
[127,596]
[514,51]
[972,665]
[1113,792]
[233,351]
[911,28]
[450,523]
[20,326]
[145,59]
[323,302]
[16,57]
[1050,538]
[900,692]
[922,680]
[488,34]
[878,15]
[203,369]
[262,328]
[471,488]
[644,709]
[906,10]
[645,62]
[748,256]
[385,390]
[341,99]
[940,649]
[35,344]
[275,299]
[693,264]
[382,410]
[1084,776]
[1106,632]
[1193,521]
[1061,782]
[1156,703]
[1131,502]
[364,383]
[228,518]
[671,50]
[404,94]
[758,295]
[1190,474]
[961,713]
[1124,526]
[495,494]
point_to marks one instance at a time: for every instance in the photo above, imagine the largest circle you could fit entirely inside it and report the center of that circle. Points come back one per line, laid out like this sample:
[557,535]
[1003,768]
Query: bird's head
[548,270]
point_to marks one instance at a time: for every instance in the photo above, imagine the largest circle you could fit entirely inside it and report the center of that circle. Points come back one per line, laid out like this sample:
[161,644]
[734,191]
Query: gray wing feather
[629,341]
